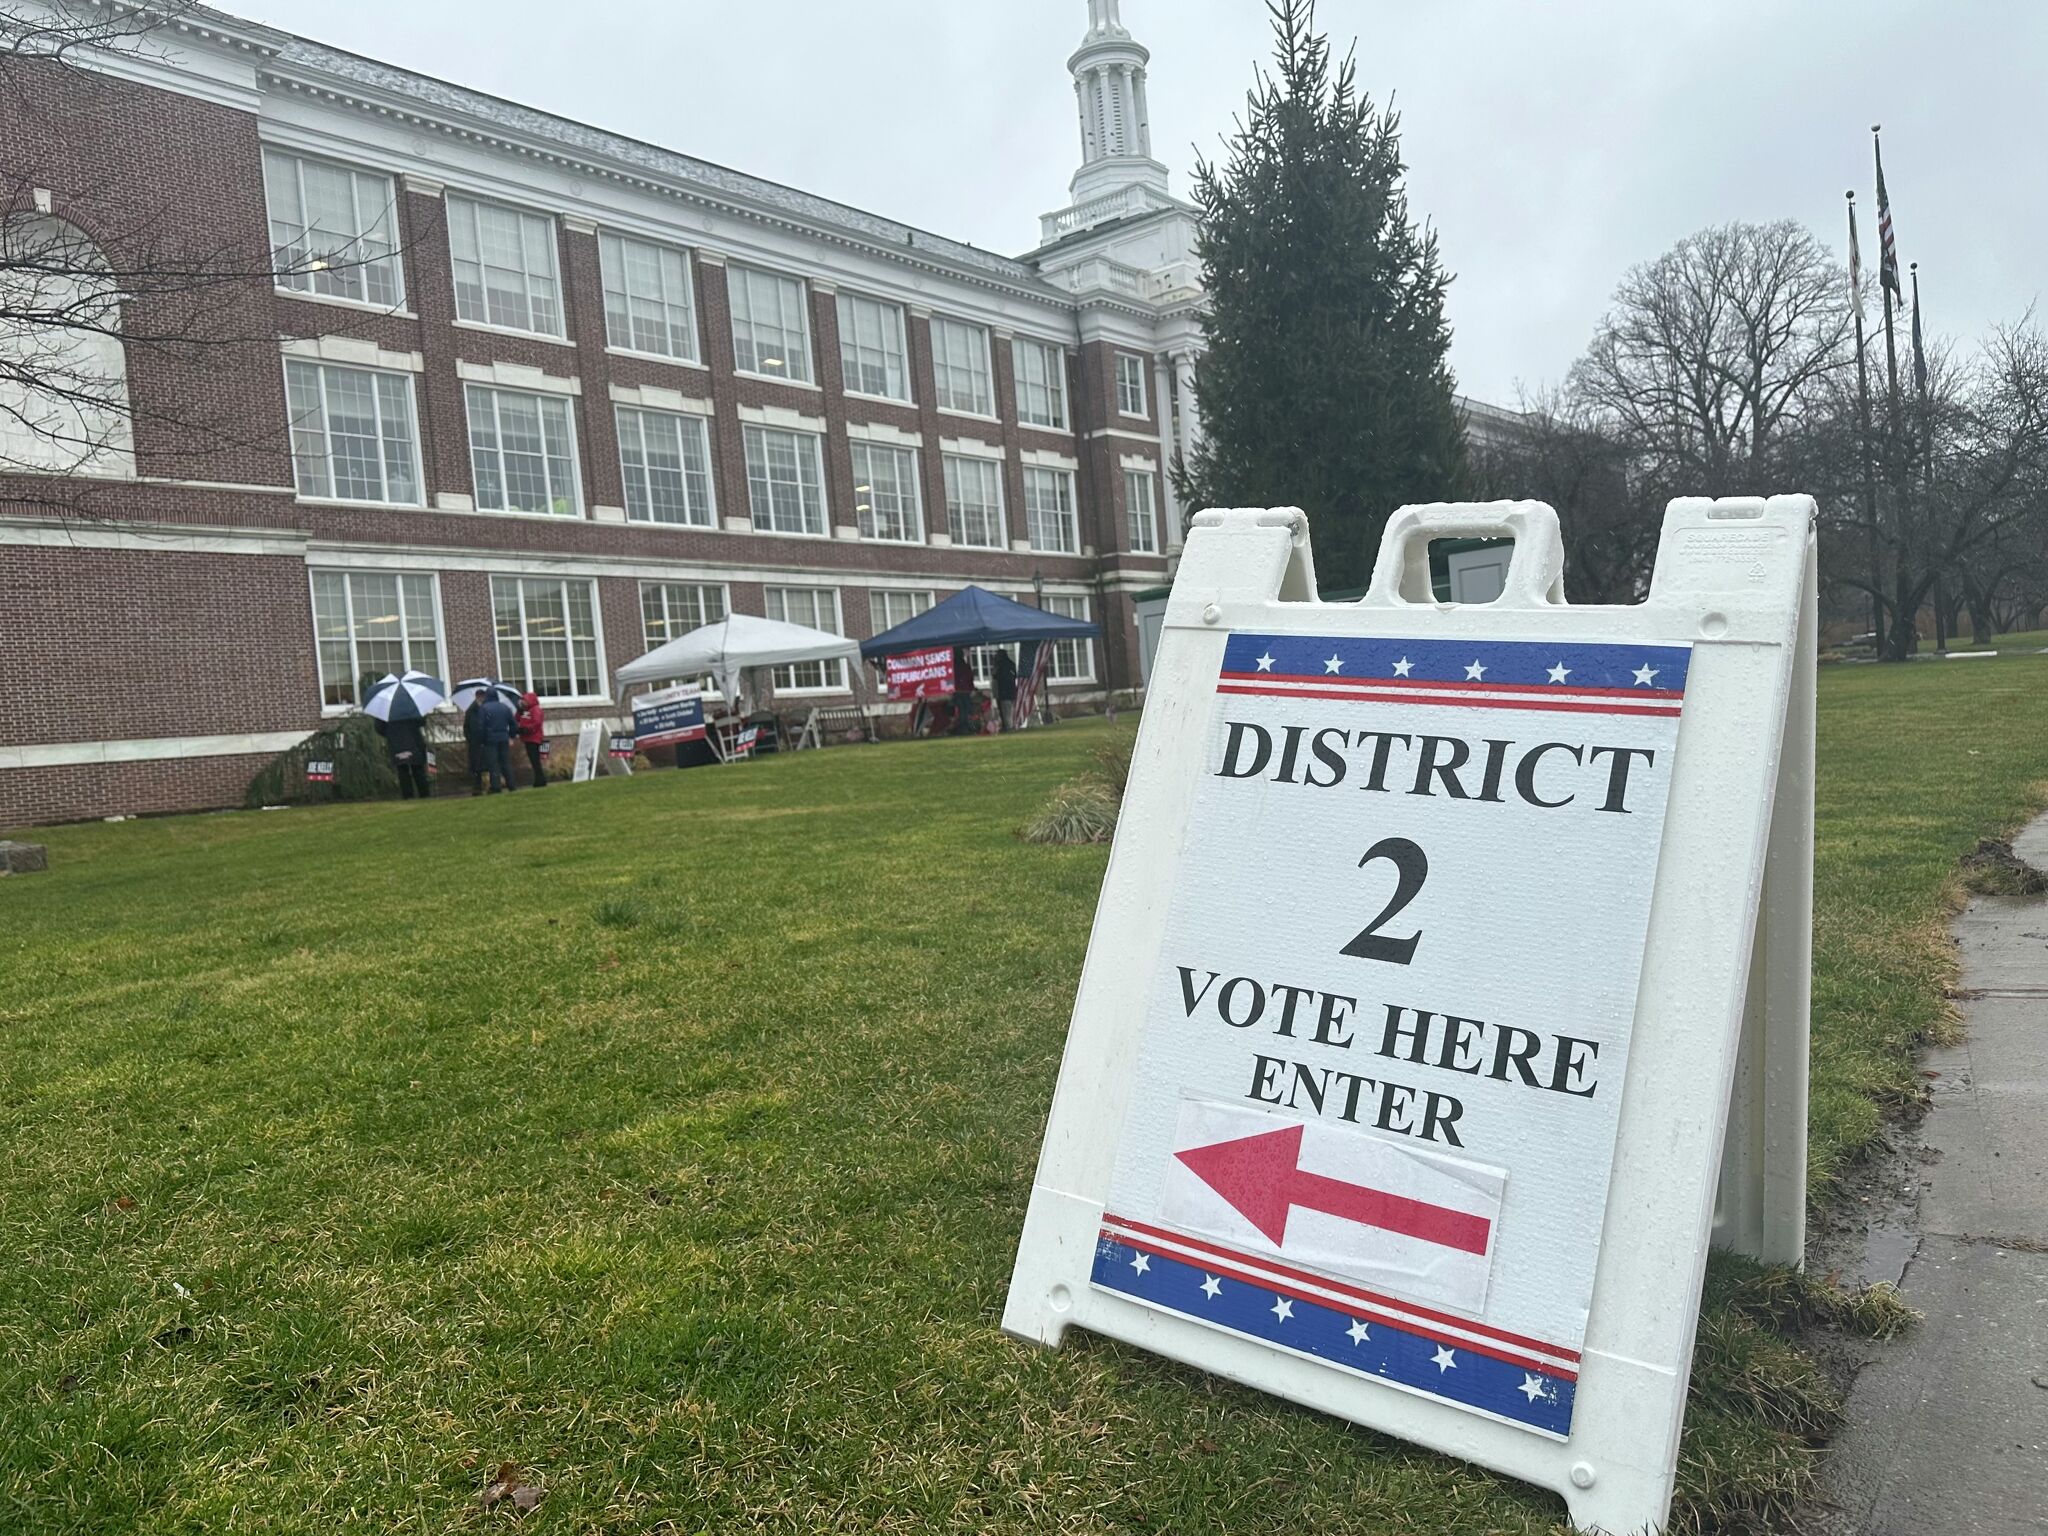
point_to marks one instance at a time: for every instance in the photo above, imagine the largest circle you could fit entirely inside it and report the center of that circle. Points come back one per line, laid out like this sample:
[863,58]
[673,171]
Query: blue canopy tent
[972,617]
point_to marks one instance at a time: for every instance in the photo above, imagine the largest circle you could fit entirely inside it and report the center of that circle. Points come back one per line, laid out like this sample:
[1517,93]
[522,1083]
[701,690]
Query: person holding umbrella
[468,695]
[400,706]
[496,724]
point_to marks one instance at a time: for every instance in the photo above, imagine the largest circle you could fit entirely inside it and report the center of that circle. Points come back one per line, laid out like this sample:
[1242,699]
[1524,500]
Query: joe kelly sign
[1383,1053]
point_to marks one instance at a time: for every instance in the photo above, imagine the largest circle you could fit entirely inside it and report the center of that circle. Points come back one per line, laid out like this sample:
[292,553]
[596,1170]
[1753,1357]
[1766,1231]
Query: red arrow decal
[1260,1175]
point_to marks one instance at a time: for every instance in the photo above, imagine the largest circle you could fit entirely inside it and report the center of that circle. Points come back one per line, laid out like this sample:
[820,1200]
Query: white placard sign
[1405,1074]
[1352,1094]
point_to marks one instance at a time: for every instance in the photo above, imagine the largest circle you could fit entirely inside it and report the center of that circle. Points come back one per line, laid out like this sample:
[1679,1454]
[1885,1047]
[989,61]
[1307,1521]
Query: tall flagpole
[1888,278]
[1923,444]
[1863,420]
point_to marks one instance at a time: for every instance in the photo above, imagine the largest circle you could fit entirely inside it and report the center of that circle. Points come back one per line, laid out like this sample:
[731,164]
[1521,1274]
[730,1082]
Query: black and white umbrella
[467,691]
[411,697]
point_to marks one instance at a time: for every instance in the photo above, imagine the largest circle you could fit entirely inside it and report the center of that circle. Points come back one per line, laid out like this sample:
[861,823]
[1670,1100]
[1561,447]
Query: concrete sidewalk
[1947,1426]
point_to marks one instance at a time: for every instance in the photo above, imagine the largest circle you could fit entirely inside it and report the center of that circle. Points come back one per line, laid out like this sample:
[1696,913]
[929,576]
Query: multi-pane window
[770,333]
[784,483]
[647,301]
[547,636]
[1049,510]
[1073,661]
[522,452]
[815,608]
[671,609]
[871,347]
[504,266]
[960,367]
[332,229]
[1140,512]
[887,608]
[1130,384]
[666,461]
[974,501]
[368,623]
[353,437]
[1041,383]
[885,496]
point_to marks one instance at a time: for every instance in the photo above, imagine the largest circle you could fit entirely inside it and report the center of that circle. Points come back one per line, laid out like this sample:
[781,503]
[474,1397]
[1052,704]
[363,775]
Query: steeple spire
[1109,91]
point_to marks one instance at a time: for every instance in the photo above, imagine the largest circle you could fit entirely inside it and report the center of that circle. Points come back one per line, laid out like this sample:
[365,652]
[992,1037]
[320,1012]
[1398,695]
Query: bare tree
[112,289]
[1714,353]
[1563,452]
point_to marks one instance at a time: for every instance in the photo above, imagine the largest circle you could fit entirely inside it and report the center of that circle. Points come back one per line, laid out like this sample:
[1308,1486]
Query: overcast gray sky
[1552,143]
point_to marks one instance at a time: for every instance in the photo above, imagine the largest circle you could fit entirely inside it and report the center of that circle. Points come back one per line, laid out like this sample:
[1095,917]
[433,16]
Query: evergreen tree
[1325,384]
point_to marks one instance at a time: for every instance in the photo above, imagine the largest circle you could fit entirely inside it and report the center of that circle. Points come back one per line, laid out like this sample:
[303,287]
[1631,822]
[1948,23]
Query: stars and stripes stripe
[1582,677]
[1410,1348]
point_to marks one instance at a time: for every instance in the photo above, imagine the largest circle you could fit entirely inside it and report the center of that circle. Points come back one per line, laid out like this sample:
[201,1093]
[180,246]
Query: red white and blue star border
[1588,677]
[1486,1370]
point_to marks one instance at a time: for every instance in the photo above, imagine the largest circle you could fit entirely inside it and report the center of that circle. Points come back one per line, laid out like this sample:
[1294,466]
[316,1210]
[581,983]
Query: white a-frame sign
[1449,960]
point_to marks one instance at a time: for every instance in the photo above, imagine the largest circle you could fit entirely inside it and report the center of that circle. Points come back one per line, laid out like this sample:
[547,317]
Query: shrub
[362,767]
[1083,811]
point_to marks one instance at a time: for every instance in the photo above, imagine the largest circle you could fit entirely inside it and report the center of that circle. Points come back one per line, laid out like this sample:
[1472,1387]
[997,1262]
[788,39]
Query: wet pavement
[1947,1427]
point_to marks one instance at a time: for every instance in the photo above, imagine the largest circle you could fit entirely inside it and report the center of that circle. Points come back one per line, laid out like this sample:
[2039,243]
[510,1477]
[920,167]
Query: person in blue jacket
[496,724]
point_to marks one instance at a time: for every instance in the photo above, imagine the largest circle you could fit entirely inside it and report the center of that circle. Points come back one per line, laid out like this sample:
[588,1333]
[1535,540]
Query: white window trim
[1126,470]
[512,330]
[452,195]
[909,395]
[1073,514]
[917,508]
[523,377]
[691,360]
[351,352]
[1002,502]
[653,397]
[657,357]
[988,350]
[565,700]
[335,711]
[640,605]
[1144,388]
[817,439]
[1085,642]
[972,448]
[419,468]
[703,425]
[1059,374]
[838,617]
[881,432]
[803,288]
[579,514]
[340,302]
[398,310]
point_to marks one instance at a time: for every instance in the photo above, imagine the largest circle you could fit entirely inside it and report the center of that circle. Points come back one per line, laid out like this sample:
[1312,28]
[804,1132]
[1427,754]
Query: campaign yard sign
[1329,1145]
[1440,946]
[669,715]
[920,674]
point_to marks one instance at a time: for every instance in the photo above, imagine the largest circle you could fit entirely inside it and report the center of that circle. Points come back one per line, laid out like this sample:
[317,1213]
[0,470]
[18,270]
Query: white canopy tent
[736,642]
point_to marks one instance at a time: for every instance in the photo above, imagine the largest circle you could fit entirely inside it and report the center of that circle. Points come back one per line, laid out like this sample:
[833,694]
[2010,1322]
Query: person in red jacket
[533,730]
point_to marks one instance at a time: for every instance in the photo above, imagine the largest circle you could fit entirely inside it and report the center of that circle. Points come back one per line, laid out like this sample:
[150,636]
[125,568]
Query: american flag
[1888,261]
[1028,683]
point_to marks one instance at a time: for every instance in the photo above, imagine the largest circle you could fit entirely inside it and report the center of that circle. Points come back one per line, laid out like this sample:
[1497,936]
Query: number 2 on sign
[1411,865]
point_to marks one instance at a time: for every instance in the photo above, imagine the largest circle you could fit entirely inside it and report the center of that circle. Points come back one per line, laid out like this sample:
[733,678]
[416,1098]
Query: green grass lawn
[670,1138]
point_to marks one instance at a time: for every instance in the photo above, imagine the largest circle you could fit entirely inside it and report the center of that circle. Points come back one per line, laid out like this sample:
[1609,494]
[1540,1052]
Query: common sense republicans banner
[920,674]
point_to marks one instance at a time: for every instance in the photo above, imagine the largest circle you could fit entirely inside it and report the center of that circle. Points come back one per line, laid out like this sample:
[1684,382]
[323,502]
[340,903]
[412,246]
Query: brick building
[558,396]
